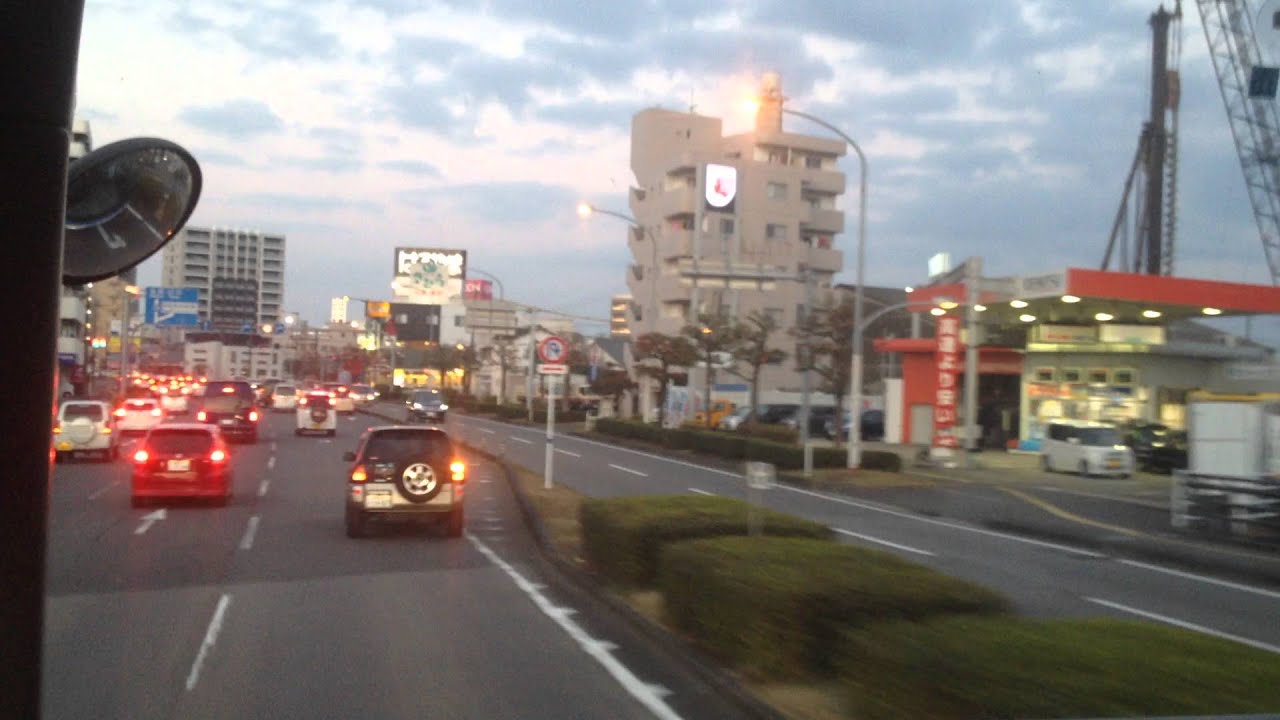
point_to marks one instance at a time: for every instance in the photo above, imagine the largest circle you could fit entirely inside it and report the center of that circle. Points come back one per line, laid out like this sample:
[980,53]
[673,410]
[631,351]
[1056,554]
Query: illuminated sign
[429,276]
[721,185]
[939,264]
[377,310]
[946,393]
[478,289]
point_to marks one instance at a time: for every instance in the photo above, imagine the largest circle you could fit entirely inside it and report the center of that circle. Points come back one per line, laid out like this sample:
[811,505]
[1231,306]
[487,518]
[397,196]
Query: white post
[551,432]
[972,281]
[529,367]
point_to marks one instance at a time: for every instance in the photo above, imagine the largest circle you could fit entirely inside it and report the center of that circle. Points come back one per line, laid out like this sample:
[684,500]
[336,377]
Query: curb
[574,579]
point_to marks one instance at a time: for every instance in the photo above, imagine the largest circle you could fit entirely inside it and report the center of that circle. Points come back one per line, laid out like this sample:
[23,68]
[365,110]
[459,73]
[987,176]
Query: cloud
[515,203]
[237,119]
[303,202]
[412,167]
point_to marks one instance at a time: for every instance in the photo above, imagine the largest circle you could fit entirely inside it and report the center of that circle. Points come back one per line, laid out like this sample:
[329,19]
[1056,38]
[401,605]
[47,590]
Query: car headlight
[443,407]
[417,406]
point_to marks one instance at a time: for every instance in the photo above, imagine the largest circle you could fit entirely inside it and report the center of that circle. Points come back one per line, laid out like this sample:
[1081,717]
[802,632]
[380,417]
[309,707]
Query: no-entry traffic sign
[553,350]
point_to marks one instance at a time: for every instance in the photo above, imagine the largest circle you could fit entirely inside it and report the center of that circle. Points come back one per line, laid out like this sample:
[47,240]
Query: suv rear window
[186,442]
[242,390]
[319,401]
[82,410]
[427,396]
[407,444]
[284,390]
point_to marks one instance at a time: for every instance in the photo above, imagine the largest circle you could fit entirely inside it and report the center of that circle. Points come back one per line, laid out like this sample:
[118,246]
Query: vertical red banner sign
[947,395]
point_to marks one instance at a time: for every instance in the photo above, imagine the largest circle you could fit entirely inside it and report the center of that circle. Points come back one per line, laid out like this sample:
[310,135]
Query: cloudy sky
[1001,128]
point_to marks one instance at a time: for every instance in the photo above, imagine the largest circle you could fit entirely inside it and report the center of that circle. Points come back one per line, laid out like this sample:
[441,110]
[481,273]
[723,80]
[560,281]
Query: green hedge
[969,667]
[766,431]
[633,429]
[779,606]
[622,537]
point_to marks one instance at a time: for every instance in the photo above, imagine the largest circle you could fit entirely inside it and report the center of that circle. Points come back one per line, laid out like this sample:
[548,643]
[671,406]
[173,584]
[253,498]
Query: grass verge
[558,508]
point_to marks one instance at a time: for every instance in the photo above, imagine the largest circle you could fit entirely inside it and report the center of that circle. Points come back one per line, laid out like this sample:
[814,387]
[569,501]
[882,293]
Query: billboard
[721,186]
[429,276]
[172,307]
[478,289]
[377,310]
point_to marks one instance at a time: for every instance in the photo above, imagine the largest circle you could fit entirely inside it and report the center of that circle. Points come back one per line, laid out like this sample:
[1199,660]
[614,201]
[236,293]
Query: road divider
[210,639]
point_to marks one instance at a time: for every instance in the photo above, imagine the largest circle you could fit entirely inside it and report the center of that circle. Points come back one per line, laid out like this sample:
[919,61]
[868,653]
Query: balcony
[70,346]
[72,308]
[824,259]
[676,202]
[673,288]
[823,181]
[676,244]
[637,272]
[823,220]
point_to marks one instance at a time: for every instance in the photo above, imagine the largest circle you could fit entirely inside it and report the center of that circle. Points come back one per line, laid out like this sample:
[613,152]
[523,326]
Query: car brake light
[202,416]
[217,456]
[156,411]
[119,412]
[359,474]
[228,389]
[458,469]
[163,391]
[302,401]
[333,394]
[105,431]
[141,456]
[253,416]
[57,429]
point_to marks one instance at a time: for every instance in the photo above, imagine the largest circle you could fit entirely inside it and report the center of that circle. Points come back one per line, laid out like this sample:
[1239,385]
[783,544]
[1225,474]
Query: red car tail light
[359,474]
[302,401]
[253,416]
[157,412]
[57,428]
[458,470]
[141,456]
[119,412]
[218,456]
[202,416]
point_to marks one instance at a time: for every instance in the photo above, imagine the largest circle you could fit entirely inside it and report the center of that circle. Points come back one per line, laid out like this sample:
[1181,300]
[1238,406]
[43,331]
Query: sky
[1002,129]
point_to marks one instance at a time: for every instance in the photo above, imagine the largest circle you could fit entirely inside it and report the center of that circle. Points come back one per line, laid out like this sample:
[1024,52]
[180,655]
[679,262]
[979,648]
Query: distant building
[619,309]
[196,257]
[75,309]
[223,356]
[338,309]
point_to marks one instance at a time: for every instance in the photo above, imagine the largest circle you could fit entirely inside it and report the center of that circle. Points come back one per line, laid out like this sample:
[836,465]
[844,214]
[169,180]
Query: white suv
[85,426]
[1085,447]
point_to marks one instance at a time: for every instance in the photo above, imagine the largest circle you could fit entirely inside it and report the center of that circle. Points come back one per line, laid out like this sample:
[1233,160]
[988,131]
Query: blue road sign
[280,328]
[172,307]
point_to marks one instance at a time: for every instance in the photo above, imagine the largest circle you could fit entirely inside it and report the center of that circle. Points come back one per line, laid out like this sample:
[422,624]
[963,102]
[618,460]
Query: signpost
[760,477]
[553,351]
[172,307]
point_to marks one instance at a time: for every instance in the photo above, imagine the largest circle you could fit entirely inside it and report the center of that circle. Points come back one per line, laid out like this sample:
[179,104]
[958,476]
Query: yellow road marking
[1066,515]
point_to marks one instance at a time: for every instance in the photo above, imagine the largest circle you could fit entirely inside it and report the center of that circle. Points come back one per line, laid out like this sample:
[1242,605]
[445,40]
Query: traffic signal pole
[39,42]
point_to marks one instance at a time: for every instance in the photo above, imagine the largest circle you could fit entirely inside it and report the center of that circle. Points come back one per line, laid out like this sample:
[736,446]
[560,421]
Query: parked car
[426,405]
[734,419]
[230,405]
[405,473]
[775,413]
[1167,451]
[182,460]
[872,425]
[284,398]
[1144,437]
[1085,447]
[138,415]
[85,426]
[819,415]
[720,409]
[315,414]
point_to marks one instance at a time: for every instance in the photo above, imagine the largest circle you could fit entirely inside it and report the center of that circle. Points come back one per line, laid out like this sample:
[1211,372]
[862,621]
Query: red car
[182,460]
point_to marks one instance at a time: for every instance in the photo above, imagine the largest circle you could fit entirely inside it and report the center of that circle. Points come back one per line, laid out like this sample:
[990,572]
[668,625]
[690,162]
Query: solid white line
[1186,625]
[569,453]
[944,523]
[262,487]
[271,462]
[868,538]
[487,431]
[98,493]
[246,542]
[210,637]
[628,470]
[701,492]
[522,440]
[1203,579]
[649,695]
[273,446]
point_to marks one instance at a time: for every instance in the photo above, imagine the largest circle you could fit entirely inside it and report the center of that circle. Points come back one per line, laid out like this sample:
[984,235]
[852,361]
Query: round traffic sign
[553,350]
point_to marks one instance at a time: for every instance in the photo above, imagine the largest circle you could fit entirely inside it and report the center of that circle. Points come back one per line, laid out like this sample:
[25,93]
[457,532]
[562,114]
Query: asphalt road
[1042,577]
[265,608]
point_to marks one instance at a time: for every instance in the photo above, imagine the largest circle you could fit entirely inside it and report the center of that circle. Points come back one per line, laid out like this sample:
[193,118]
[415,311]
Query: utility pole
[972,283]
[1157,141]
[806,276]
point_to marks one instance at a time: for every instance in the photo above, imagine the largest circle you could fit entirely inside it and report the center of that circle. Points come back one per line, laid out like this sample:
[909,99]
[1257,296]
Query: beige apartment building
[692,257]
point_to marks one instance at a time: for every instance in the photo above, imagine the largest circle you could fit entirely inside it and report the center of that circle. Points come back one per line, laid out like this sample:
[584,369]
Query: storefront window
[1098,376]
[1071,375]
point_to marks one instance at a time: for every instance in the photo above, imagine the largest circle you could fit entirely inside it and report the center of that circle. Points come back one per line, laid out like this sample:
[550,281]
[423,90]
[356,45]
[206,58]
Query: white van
[1088,448]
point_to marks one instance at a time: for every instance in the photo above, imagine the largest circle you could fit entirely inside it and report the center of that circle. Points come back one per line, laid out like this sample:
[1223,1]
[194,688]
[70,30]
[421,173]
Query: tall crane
[1248,87]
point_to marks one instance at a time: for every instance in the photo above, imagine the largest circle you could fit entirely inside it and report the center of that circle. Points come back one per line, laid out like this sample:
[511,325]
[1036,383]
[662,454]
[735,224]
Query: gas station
[1077,344]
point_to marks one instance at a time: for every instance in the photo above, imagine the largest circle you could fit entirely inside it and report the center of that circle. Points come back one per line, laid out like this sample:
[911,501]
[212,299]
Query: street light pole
[854,460]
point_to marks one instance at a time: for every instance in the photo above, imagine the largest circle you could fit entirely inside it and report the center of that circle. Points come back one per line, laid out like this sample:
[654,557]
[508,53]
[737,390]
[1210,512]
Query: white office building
[197,257]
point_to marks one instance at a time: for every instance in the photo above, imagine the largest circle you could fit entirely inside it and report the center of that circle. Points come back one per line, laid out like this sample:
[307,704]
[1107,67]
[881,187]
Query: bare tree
[668,352]
[712,337]
[829,335]
[753,352]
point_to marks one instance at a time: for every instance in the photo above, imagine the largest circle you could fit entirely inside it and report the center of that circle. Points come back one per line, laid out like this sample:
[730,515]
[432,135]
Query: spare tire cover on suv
[418,481]
[80,430]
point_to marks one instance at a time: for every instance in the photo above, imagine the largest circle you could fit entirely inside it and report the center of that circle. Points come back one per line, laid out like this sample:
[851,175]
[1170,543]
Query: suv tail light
[202,416]
[302,401]
[157,412]
[119,412]
[253,416]
[57,428]
[359,474]
[141,456]
[218,456]
[458,471]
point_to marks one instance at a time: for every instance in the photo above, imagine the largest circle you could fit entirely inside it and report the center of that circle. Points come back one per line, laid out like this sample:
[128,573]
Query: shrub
[622,537]
[772,432]
[633,429]
[779,606]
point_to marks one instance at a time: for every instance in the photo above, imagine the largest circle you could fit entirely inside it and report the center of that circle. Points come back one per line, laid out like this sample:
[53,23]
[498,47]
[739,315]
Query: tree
[753,352]
[667,352]
[504,353]
[828,332]
[442,359]
[612,383]
[712,337]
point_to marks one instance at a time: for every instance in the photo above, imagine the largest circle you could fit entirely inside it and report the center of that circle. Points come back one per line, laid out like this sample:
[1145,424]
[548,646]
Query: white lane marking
[271,462]
[522,440]
[246,542]
[878,541]
[150,519]
[944,523]
[273,446]
[628,470]
[566,452]
[487,431]
[701,492]
[98,493]
[1186,625]
[649,695]
[1203,579]
[210,637]
[262,487]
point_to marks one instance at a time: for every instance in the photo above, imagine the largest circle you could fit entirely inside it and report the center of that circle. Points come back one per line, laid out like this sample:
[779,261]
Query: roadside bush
[772,432]
[510,412]
[970,667]
[778,607]
[633,429]
[622,537]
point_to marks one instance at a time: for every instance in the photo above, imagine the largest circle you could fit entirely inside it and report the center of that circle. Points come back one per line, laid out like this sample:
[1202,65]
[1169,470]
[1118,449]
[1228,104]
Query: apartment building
[338,309]
[619,310]
[771,227]
[198,257]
